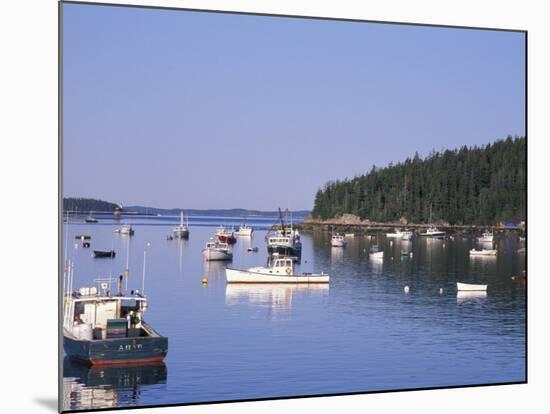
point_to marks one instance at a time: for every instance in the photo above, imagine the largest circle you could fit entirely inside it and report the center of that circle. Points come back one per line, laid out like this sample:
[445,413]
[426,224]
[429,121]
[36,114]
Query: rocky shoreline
[349,223]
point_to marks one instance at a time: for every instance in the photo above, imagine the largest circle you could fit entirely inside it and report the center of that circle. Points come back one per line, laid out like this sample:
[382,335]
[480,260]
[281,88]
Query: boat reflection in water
[463,296]
[275,296]
[91,387]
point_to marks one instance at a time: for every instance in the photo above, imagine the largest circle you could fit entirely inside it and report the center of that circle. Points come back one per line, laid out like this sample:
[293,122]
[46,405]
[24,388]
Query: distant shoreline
[350,224]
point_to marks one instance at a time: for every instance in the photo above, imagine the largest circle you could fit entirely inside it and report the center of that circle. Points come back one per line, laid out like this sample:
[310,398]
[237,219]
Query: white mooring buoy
[440,291]
[406,289]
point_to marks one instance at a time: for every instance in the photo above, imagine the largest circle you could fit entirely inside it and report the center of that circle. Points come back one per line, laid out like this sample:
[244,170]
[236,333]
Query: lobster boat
[281,270]
[217,250]
[101,328]
[225,236]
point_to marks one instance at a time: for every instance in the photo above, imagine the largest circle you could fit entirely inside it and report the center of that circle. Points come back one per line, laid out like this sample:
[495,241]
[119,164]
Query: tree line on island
[470,185]
[85,205]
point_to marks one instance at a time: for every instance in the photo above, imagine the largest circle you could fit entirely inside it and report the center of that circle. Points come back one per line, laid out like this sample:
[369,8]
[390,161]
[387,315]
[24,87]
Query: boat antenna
[127,271]
[143,274]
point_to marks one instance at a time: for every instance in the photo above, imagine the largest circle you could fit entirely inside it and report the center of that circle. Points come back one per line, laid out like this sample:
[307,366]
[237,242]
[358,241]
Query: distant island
[467,186]
[91,206]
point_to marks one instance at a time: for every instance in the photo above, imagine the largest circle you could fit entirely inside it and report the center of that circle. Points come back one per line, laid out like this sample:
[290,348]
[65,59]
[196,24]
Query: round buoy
[204,281]
[440,291]
[406,289]
[391,243]
[514,277]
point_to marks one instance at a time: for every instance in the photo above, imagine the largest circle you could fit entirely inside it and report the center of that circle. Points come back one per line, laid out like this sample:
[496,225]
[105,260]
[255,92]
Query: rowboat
[485,252]
[470,288]
[102,253]
[280,271]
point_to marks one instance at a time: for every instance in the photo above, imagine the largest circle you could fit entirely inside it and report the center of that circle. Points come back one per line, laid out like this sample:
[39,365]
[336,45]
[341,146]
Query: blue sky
[205,110]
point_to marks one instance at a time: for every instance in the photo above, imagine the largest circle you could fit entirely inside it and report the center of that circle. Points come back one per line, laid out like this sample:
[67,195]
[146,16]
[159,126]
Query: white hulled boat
[397,233]
[433,231]
[217,250]
[484,252]
[280,271]
[244,230]
[338,240]
[467,287]
[376,253]
[486,237]
[407,235]
[181,231]
[126,229]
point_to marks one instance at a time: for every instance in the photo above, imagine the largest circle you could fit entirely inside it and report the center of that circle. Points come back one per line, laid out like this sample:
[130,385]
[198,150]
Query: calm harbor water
[360,333]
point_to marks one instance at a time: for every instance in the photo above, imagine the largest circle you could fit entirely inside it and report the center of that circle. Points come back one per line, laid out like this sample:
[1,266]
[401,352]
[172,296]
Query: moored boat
[407,235]
[281,270]
[225,236]
[484,252]
[284,241]
[181,231]
[376,253]
[104,329]
[83,237]
[104,253]
[338,240]
[244,230]
[90,219]
[397,233]
[433,232]
[349,235]
[486,237]
[217,250]
[126,230]
[470,287]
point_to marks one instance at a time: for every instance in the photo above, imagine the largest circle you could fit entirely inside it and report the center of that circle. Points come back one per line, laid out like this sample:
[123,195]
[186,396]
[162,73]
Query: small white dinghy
[217,250]
[338,240]
[376,253]
[281,271]
[484,252]
[467,287]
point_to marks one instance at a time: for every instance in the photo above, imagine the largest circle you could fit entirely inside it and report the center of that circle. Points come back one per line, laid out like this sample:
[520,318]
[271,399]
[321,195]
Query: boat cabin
[93,313]
[280,265]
